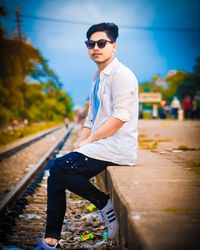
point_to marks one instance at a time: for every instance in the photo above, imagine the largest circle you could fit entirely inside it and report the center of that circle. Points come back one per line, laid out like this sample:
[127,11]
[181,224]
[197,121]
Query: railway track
[14,150]
[22,216]
[14,167]
[8,200]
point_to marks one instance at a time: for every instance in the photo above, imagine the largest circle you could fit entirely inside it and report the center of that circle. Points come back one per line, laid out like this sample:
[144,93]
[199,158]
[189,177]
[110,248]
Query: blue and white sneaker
[44,246]
[108,216]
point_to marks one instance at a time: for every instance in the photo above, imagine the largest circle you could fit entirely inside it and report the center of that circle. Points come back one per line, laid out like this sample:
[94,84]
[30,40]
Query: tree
[149,87]
[174,81]
[3,13]
[43,100]
[182,83]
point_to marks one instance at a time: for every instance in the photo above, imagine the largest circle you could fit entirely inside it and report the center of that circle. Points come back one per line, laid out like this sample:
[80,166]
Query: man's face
[101,55]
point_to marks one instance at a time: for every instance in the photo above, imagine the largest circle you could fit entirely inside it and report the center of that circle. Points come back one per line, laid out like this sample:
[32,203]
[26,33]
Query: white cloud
[137,47]
[127,12]
[67,36]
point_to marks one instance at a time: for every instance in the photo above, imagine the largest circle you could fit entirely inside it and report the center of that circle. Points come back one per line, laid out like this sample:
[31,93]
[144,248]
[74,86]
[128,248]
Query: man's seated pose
[108,137]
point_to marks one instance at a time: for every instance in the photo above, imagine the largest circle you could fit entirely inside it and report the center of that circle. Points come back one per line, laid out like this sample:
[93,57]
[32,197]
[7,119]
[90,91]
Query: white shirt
[118,95]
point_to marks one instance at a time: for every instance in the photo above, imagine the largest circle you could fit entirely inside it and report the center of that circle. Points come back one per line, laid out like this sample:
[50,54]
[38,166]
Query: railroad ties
[23,218]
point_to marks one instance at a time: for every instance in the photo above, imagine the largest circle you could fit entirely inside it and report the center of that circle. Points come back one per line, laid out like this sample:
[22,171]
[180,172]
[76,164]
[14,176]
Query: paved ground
[157,201]
[178,141]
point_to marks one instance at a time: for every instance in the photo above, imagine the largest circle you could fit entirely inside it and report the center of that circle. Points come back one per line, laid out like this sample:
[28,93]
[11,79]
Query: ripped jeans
[71,171]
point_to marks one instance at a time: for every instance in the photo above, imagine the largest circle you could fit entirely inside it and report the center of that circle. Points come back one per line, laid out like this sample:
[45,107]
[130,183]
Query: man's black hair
[110,29]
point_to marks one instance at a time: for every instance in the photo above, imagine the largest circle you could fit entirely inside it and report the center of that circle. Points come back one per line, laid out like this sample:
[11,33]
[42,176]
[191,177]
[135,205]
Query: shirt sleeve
[125,94]
[88,120]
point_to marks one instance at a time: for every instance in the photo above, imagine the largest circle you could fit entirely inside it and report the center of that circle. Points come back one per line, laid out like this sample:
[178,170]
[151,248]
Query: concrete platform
[157,203]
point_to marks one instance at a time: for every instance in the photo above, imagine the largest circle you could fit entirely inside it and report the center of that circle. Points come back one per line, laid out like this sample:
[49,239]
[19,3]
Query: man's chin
[97,60]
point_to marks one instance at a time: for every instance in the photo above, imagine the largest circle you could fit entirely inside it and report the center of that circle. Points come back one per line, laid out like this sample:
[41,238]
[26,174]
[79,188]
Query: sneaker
[108,216]
[44,246]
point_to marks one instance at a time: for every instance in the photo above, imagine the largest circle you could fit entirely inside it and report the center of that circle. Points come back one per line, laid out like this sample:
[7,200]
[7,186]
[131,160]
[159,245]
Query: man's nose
[95,46]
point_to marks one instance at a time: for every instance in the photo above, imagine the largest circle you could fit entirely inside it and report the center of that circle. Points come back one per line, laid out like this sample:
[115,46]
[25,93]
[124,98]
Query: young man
[108,137]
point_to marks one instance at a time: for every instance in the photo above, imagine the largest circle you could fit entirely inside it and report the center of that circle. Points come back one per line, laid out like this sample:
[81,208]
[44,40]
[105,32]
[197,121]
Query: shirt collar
[108,69]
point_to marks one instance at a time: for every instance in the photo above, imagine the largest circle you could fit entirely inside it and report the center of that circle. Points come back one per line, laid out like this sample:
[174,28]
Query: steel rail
[17,148]
[12,196]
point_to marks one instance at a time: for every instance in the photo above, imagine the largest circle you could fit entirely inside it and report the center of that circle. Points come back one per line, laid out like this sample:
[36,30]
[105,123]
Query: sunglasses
[100,43]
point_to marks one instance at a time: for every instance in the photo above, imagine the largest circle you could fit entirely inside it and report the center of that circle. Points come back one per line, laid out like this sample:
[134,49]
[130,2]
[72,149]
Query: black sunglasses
[100,43]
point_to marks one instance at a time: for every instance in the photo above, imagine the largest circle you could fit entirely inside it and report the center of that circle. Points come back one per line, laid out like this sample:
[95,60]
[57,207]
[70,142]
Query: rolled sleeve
[87,124]
[123,98]
[89,120]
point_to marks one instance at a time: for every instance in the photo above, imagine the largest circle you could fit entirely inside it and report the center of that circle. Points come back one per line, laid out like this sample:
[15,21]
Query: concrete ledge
[157,203]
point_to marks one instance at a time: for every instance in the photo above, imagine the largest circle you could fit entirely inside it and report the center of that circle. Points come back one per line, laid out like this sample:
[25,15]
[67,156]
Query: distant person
[66,121]
[108,137]
[83,114]
[164,110]
[155,111]
[25,122]
[187,107]
[175,106]
[80,117]
[14,124]
[196,105]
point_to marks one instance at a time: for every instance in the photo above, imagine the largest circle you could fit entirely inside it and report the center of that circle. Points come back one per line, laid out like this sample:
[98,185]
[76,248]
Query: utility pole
[17,9]
[18,20]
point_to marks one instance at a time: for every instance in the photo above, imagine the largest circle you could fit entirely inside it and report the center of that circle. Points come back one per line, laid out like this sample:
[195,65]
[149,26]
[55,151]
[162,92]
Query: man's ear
[114,47]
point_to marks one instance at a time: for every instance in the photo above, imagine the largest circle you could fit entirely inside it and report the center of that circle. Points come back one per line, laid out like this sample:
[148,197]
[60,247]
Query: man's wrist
[91,138]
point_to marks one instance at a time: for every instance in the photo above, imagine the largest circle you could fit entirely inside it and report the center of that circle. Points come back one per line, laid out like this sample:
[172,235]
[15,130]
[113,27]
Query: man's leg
[71,172]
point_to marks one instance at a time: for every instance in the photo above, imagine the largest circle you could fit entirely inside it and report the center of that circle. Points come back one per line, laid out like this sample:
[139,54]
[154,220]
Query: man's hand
[109,128]
[86,141]
[85,133]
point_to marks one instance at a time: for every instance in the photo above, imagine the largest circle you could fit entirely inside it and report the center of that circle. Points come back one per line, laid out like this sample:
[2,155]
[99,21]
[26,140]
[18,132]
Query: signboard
[150,97]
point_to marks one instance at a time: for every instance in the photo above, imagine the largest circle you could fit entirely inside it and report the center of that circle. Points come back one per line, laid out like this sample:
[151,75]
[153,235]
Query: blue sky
[146,51]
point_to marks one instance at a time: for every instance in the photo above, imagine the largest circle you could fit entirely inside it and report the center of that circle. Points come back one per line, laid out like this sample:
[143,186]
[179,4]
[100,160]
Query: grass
[150,144]
[183,147]
[177,209]
[194,166]
[142,135]
[147,140]
[10,135]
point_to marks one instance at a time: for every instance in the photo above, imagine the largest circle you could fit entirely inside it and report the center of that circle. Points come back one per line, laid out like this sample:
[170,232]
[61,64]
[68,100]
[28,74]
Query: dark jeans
[71,171]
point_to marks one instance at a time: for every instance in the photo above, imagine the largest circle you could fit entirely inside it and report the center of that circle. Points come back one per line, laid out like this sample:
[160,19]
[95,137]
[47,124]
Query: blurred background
[45,72]
[45,79]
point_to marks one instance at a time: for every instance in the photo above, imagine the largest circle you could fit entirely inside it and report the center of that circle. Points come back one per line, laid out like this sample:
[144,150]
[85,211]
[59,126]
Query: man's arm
[109,128]
[85,133]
